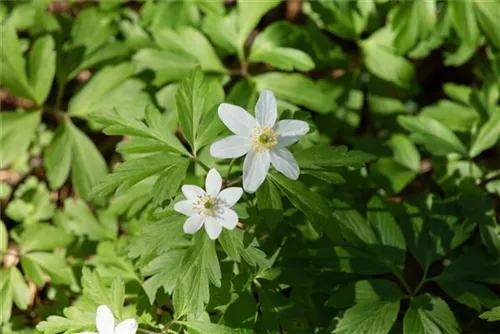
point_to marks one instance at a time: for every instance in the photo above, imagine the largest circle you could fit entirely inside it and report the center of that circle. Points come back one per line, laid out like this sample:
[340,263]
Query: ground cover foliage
[379,213]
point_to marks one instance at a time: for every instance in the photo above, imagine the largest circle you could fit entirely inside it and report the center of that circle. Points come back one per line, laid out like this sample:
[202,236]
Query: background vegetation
[392,226]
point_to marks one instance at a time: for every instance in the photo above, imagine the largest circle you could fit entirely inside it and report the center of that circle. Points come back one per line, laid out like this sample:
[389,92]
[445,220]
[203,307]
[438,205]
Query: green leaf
[154,129]
[370,317]
[13,74]
[196,96]
[54,265]
[275,46]
[168,65]
[405,152]
[487,17]
[110,88]
[437,138]
[88,166]
[4,239]
[491,315]
[189,41]
[13,289]
[169,181]
[268,196]
[222,30]
[42,68]
[365,291]
[381,60]
[31,202]
[488,135]
[43,237]
[391,175]
[250,13]
[135,170]
[297,89]
[209,328]
[238,244]
[164,270]
[78,219]
[346,19]
[478,207]
[95,289]
[454,116]
[58,157]
[413,22]
[92,28]
[314,206]
[199,266]
[17,131]
[429,315]
[328,157]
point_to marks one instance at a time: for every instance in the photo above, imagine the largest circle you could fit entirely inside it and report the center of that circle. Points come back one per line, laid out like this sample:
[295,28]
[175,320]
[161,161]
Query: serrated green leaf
[169,181]
[454,116]
[370,317]
[491,315]
[238,244]
[200,266]
[429,315]
[196,96]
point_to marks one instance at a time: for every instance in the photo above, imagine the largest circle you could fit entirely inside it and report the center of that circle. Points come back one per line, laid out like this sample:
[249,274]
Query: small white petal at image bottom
[261,139]
[105,323]
[210,208]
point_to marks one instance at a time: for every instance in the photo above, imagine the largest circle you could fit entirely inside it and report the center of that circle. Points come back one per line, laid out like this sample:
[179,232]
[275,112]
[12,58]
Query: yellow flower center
[206,205]
[264,138]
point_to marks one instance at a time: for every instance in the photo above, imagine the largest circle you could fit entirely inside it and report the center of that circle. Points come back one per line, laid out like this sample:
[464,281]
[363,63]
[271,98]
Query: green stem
[229,168]
[422,281]
[232,183]
[59,97]
[141,330]
[403,282]
[201,163]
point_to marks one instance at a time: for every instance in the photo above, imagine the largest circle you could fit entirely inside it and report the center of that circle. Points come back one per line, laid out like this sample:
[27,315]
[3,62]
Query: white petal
[192,192]
[185,207]
[104,320]
[255,168]
[230,195]
[128,326]
[213,228]
[229,219]
[266,109]
[290,131]
[193,224]
[231,147]
[213,182]
[283,161]
[237,119]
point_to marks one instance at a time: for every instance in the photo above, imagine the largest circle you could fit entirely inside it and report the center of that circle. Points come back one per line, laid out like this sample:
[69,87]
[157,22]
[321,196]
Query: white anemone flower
[262,139]
[105,323]
[211,207]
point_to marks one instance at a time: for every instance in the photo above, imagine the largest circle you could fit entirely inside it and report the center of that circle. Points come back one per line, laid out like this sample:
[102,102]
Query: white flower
[211,207]
[262,139]
[105,323]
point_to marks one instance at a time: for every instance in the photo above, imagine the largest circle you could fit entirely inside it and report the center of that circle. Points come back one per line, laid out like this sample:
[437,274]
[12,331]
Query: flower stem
[199,162]
[229,169]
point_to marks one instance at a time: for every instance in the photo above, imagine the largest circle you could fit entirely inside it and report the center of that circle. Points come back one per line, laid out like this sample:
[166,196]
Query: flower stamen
[264,138]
